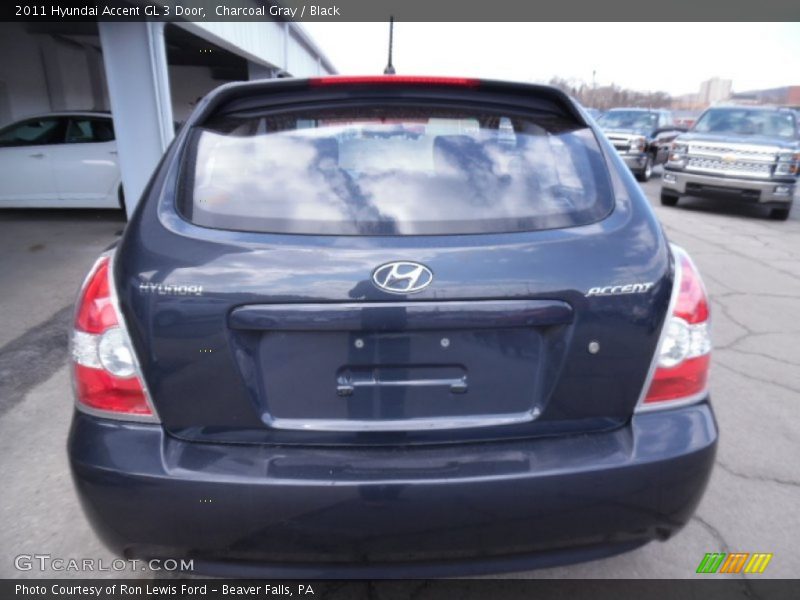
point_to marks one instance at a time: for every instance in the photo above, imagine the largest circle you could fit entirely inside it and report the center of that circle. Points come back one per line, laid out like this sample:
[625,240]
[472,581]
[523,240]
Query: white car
[60,160]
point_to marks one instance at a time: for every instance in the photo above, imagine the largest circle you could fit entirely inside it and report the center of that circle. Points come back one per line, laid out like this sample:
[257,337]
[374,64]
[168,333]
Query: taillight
[105,371]
[393,80]
[682,363]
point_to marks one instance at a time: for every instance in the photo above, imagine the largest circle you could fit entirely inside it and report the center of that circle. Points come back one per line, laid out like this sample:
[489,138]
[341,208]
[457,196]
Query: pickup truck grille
[735,167]
[621,143]
[743,161]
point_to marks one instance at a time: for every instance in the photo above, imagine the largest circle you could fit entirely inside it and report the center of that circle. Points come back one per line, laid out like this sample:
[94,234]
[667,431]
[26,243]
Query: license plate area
[397,381]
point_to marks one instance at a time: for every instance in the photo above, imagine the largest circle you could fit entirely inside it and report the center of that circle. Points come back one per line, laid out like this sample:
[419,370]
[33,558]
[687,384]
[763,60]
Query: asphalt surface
[751,266]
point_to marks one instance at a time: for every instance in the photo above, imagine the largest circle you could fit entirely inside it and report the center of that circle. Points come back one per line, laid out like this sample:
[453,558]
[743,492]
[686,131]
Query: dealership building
[149,74]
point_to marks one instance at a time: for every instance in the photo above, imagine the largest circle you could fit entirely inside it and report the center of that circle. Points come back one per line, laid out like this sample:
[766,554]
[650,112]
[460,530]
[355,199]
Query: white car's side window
[89,130]
[31,132]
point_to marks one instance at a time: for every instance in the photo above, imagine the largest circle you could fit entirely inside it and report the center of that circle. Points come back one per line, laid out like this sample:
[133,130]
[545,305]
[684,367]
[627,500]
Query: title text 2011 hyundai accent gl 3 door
[390,326]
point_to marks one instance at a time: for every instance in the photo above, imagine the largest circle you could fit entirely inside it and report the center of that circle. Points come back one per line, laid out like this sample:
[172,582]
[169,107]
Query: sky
[670,57]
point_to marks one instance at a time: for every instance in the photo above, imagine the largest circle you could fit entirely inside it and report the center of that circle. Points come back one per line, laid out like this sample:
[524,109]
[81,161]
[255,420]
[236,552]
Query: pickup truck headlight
[637,145]
[677,153]
[787,163]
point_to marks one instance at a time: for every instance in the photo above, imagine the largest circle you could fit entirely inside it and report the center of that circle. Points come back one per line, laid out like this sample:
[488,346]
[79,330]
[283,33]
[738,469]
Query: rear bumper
[391,512]
[749,190]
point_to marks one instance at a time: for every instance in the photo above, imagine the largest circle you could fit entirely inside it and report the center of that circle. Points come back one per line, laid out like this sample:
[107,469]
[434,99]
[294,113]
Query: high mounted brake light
[393,80]
[106,374]
[684,350]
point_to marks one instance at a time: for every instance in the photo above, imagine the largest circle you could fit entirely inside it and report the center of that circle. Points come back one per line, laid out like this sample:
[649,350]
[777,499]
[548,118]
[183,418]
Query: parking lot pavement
[751,266]
[44,254]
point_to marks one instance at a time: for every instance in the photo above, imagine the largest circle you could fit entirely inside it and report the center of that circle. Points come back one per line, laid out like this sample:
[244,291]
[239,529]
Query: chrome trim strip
[431,424]
[734,148]
[730,173]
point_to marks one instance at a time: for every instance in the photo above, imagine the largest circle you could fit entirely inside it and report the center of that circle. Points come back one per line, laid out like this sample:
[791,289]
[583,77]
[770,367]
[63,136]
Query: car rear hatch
[375,261]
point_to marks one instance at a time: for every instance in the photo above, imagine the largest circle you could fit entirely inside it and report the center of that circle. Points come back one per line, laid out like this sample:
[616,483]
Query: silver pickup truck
[745,153]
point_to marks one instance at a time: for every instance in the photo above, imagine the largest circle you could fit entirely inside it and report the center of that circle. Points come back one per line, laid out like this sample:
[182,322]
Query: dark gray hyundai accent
[390,326]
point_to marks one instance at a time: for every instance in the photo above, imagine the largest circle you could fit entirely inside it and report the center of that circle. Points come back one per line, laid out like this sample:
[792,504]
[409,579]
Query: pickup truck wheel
[668,198]
[779,214]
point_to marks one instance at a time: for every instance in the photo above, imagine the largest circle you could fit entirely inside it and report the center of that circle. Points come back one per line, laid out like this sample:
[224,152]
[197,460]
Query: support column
[135,61]
[259,71]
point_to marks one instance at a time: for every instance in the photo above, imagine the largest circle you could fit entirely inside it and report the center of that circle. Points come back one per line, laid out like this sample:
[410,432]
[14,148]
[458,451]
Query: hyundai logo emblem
[402,277]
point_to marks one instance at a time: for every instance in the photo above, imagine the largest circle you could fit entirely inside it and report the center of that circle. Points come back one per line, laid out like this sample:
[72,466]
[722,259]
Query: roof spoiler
[277,93]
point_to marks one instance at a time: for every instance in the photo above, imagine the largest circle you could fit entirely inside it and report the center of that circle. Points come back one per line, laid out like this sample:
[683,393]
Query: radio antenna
[389,70]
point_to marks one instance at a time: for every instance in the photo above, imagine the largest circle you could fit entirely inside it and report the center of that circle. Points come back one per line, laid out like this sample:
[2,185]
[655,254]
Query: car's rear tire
[780,214]
[669,198]
[121,196]
[645,174]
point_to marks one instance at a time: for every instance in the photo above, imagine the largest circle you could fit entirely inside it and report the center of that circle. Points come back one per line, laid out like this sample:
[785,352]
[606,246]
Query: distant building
[714,90]
[687,102]
[784,96]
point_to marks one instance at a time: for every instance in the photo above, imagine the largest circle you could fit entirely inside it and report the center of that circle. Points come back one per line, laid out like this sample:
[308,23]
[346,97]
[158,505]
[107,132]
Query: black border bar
[705,587]
[402,10]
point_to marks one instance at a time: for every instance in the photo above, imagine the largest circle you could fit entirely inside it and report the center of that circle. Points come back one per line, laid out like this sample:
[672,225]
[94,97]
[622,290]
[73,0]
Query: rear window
[394,171]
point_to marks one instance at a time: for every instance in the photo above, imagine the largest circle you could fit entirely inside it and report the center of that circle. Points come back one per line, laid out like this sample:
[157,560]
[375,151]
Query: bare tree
[610,96]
